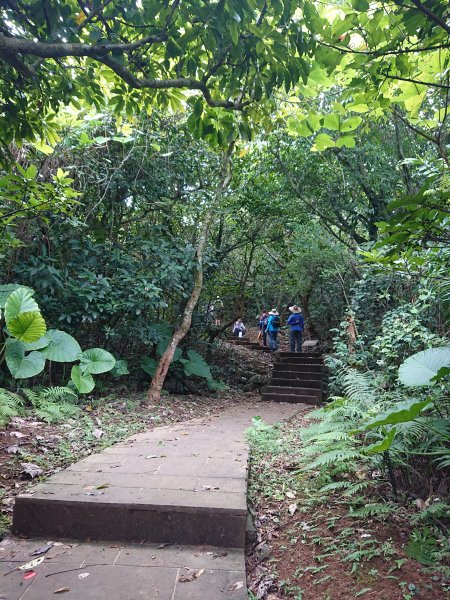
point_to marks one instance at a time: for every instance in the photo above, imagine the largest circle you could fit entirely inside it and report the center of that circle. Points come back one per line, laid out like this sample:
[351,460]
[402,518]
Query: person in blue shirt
[262,324]
[272,328]
[297,323]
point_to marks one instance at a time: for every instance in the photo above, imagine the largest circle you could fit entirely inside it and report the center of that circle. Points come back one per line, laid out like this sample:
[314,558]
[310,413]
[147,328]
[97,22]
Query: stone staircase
[247,343]
[296,378]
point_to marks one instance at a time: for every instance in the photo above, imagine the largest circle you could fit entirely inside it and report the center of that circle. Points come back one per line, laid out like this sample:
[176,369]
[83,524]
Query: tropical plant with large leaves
[27,344]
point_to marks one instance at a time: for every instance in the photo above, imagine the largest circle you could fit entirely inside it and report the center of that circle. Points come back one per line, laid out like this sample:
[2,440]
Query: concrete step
[307,383]
[294,371]
[232,338]
[240,342]
[313,399]
[181,484]
[296,368]
[300,354]
[276,388]
[299,359]
[295,382]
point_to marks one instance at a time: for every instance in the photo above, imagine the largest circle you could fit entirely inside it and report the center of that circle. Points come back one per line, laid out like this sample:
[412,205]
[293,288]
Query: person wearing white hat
[272,328]
[297,323]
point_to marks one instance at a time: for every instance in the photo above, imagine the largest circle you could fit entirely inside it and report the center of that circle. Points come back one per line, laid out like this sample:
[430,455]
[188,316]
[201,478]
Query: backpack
[276,322]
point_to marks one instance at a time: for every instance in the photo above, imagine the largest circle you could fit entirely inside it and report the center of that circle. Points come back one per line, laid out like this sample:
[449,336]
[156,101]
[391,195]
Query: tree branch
[101,52]
[426,11]
[427,83]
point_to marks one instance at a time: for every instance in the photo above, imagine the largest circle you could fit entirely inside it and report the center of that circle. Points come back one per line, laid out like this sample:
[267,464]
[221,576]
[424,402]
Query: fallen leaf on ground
[30,565]
[13,449]
[102,486]
[42,550]
[185,578]
[61,590]
[98,433]
[152,456]
[17,434]
[236,586]
[292,508]
[290,495]
[83,575]
[31,469]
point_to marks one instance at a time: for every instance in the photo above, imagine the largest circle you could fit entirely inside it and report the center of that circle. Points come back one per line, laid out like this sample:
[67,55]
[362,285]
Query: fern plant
[11,405]
[53,405]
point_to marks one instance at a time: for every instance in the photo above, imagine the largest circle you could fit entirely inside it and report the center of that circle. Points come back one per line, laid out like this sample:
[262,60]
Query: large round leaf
[7,289]
[62,347]
[149,365]
[27,326]
[120,368]
[162,347]
[96,360]
[420,368]
[38,344]
[84,382]
[19,301]
[20,365]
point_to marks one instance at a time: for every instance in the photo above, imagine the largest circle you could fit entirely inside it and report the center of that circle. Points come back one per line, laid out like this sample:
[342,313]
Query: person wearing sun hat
[297,323]
[272,328]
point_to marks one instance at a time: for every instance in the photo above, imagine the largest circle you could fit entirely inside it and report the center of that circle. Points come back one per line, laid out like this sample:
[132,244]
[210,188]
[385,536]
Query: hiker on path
[239,328]
[262,324]
[297,323]
[272,328]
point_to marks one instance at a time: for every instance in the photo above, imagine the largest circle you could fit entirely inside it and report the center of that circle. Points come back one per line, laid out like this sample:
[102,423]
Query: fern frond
[375,509]
[358,387]
[32,396]
[437,510]
[59,394]
[52,412]
[335,457]
[10,406]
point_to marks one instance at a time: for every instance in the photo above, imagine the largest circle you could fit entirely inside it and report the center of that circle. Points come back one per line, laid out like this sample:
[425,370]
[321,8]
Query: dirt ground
[305,552]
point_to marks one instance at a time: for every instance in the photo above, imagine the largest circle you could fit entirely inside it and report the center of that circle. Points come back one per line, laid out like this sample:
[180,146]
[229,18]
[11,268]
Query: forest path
[180,490]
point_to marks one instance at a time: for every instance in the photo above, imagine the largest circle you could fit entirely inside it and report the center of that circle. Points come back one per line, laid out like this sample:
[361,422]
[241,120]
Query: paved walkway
[173,490]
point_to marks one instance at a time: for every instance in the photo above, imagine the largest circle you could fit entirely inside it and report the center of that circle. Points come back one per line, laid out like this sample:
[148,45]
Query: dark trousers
[273,341]
[295,339]
[264,337]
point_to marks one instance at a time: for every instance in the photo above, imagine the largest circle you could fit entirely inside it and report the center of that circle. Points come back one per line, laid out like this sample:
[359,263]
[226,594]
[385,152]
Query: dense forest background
[166,162]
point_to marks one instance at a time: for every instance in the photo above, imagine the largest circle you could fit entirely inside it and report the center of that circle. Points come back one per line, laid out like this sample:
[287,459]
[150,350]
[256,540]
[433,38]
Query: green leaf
[120,368]
[420,368]
[402,412]
[360,5]
[62,347]
[7,289]
[331,121]
[96,361]
[84,382]
[382,446]
[351,124]
[162,347]
[149,365]
[19,301]
[322,142]
[346,140]
[20,365]
[196,365]
[38,344]
[28,326]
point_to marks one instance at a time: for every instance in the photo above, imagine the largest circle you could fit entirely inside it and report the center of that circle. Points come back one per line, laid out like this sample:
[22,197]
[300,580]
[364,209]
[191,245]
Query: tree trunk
[154,392]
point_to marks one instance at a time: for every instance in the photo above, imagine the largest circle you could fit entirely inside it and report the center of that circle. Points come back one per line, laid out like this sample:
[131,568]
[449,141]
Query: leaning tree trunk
[154,392]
